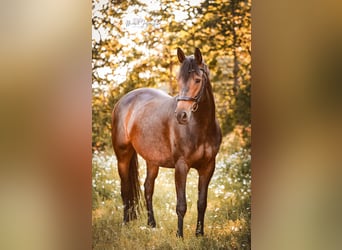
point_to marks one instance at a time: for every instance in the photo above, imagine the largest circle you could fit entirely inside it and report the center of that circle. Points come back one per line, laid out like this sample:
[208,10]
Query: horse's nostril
[182,117]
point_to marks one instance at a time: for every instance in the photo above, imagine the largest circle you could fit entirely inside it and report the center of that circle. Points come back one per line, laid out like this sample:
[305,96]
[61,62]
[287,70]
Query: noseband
[197,97]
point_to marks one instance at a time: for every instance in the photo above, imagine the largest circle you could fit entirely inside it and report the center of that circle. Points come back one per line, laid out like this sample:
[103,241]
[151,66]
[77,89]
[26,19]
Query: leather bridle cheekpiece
[197,97]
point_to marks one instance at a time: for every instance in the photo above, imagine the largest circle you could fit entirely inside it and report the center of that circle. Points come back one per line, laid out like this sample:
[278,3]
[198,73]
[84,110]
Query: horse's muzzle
[182,117]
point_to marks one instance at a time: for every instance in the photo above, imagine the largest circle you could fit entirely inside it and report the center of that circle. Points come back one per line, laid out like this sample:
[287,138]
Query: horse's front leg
[152,173]
[181,171]
[204,175]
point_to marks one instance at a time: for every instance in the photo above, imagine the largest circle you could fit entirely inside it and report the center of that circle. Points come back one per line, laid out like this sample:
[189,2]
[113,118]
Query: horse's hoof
[178,235]
[151,224]
[199,234]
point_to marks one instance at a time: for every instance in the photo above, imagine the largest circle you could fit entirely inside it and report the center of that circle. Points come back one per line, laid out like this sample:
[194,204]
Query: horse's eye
[198,81]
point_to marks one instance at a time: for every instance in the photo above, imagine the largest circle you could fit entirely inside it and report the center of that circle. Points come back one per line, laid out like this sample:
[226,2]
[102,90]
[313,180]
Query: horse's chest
[200,152]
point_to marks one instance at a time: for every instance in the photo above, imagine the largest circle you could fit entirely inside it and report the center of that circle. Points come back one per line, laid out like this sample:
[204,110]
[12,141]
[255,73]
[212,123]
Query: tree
[225,31]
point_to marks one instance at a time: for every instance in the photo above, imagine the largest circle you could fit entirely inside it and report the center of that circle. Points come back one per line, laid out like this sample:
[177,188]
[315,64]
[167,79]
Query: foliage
[104,179]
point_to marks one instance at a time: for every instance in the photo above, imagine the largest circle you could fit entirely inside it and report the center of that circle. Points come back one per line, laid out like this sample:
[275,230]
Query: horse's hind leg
[127,162]
[152,173]
[123,167]
[127,168]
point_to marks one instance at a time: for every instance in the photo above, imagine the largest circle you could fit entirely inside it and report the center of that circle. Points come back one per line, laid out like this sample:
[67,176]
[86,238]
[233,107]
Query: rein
[197,97]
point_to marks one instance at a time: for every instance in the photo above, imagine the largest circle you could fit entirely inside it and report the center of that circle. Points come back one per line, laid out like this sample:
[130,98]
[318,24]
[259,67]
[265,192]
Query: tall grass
[227,220]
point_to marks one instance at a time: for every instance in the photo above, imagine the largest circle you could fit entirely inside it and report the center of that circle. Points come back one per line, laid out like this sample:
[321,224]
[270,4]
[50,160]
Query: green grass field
[227,219]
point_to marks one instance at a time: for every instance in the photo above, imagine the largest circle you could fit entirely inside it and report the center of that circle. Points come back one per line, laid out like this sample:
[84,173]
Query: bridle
[199,95]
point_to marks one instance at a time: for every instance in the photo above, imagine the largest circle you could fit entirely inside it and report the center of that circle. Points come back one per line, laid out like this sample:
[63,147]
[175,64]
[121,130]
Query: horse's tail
[135,192]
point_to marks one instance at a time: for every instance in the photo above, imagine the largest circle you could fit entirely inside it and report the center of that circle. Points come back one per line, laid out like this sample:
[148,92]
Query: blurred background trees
[134,45]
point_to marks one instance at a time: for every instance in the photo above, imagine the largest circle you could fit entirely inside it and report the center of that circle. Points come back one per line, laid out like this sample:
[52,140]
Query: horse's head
[192,79]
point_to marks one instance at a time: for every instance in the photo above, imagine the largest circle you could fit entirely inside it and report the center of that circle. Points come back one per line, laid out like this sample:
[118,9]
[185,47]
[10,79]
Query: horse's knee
[201,204]
[181,209]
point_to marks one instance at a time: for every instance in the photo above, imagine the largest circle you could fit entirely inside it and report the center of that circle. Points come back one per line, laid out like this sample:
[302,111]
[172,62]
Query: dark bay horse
[174,132]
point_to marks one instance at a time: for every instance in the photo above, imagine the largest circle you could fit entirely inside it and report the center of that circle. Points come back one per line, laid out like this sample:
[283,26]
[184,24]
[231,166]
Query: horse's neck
[206,115]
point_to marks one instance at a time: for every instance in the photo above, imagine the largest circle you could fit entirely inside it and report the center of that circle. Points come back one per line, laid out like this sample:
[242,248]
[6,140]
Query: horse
[179,132]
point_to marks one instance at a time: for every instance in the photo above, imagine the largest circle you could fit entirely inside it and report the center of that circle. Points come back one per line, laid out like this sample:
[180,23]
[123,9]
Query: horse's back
[142,95]
[138,100]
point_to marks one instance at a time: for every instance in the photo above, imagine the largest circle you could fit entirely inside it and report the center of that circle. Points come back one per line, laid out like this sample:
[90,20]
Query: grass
[227,220]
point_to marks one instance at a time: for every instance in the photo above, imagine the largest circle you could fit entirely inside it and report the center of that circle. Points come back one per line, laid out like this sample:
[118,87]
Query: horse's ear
[198,56]
[180,54]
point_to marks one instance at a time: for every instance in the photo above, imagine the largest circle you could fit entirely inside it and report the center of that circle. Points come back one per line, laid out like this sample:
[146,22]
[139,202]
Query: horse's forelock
[188,66]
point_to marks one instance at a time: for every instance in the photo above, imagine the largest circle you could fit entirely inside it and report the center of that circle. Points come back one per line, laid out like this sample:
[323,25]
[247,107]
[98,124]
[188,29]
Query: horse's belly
[154,151]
